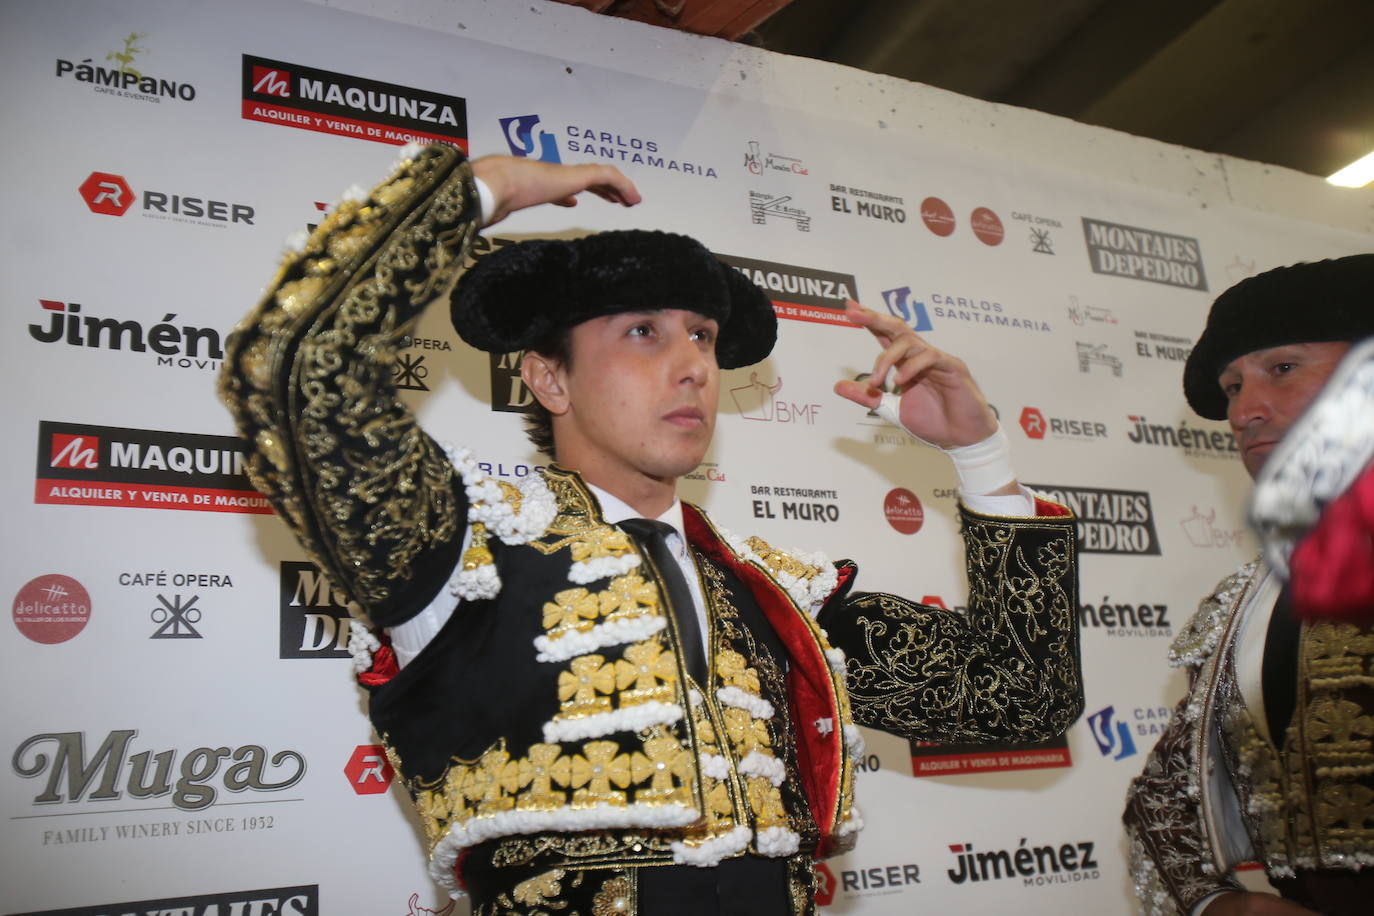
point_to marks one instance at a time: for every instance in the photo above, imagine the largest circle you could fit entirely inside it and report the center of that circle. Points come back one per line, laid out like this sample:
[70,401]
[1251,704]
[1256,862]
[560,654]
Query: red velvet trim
[383,669]
[810,688]
[1044,507]
[1333,566]
[845,573]
[458,868]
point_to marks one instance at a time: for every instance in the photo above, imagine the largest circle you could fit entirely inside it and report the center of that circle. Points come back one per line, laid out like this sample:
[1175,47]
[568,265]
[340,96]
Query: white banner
[183,731]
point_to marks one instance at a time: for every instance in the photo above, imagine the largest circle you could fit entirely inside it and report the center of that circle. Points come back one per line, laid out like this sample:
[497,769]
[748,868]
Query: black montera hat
[520,295]
[1303,303]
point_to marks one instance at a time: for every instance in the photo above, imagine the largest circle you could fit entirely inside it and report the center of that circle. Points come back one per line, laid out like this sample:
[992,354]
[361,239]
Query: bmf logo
[900,303]
[1114,742]
[519,134]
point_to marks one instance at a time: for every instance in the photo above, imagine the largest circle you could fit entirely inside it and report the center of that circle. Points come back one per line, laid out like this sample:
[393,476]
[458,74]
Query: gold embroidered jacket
[554,698]
[1306,801]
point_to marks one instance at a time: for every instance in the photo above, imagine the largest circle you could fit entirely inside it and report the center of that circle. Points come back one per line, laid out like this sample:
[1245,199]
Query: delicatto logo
[1144,254]
[799,293]
[594,142]
[295,95]
[87,465]
[302,900]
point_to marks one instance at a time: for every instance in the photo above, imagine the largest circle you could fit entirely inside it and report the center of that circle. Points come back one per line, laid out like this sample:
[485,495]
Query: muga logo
[304,97]
[112,772]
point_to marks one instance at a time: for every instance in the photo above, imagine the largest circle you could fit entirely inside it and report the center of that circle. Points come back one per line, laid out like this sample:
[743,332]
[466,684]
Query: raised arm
[1008,670]
[308,373]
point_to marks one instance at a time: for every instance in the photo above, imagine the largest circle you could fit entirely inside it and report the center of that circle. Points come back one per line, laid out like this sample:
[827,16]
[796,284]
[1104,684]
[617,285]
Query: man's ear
[544,376]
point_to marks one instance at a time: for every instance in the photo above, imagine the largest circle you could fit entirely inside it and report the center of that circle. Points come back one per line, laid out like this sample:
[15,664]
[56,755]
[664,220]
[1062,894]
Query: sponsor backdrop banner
[182,733]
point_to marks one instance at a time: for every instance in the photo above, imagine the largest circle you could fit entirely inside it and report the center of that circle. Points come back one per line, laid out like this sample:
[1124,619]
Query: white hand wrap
[982,467]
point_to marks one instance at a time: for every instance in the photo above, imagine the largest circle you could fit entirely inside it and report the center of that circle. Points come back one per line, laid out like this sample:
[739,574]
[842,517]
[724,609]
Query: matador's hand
[519,183]
[940,401]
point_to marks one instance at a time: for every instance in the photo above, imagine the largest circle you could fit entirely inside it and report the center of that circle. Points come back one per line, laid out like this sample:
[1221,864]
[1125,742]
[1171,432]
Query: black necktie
[1279,670]
[653,537]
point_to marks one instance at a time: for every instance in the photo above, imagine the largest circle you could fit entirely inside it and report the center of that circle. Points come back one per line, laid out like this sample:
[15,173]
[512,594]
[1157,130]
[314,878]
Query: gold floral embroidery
[584,688]
[616,897]
[651,670]
[540,889]
[592,773]
[571,609]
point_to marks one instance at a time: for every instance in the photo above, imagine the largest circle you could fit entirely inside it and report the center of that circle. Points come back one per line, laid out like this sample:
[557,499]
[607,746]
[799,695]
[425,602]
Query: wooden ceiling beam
[728,19]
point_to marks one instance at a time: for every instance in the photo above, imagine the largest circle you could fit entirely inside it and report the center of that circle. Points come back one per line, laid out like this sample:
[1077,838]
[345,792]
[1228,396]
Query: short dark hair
[538,421]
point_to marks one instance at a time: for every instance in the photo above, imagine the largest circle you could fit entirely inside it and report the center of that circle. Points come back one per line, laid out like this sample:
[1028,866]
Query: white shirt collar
[615,510]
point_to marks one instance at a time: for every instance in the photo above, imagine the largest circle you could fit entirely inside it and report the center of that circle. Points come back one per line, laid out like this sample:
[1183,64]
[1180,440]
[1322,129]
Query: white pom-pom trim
[712,851]
[852,824]
[757,763]
[476,584]
[614,633]
[361,645]
[715,766]
[854,740]
[585,571]
[836,659]
[825,726]
[629,719]
[777,842]
[757,707]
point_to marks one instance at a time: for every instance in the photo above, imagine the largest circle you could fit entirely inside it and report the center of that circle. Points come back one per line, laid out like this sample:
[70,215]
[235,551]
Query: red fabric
[383,668]
[1332,570]
[811,692]
[1044,507]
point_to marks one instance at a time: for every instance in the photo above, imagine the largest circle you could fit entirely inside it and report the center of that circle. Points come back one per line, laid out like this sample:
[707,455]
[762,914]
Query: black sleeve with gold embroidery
[1008,670]
[308,377]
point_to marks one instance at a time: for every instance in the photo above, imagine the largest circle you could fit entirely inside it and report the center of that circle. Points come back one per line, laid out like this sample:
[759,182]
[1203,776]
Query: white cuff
[486,201]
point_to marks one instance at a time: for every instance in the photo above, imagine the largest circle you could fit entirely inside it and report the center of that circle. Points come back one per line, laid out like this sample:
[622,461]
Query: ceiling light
[1355,175]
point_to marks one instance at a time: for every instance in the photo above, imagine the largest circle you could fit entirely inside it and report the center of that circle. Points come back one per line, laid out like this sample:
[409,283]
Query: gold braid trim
[308,377]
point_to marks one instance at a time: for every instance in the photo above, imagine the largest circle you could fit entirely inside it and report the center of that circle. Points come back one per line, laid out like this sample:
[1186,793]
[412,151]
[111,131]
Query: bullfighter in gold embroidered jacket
[1269,757]
[571,744]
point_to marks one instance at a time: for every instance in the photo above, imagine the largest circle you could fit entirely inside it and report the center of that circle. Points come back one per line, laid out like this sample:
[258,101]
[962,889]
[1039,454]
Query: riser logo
[110,195]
